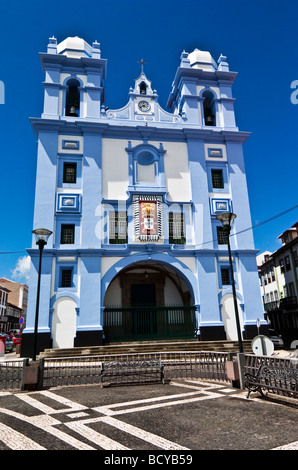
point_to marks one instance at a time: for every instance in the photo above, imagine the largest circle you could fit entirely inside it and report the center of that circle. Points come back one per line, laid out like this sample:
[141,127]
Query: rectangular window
[287,263]
[268,275]
[276,295]
[217,179]
[291,289]
[225,276]
[66,277]
[222,238]
[69,172]
[282,266]
[67,234]
[176,228]
[118,227]
[285,290]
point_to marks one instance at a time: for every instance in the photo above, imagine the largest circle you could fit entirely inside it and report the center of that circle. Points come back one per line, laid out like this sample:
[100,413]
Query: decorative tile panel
[68,203]
[220,205]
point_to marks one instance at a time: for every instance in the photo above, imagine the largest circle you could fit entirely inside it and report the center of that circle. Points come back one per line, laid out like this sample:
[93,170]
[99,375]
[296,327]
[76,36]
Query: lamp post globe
[41,237]
[226,219]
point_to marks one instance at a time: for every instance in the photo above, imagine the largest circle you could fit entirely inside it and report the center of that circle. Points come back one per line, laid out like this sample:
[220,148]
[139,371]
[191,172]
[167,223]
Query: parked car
[13,332]
[9,346]
[17,338]
[5,338]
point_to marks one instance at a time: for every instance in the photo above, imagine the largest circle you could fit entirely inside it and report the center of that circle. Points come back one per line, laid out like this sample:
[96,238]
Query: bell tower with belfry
[202,90]
[73,96]
[74,78]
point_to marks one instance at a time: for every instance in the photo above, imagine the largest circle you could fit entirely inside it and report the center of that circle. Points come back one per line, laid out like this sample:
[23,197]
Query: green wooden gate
[149,323]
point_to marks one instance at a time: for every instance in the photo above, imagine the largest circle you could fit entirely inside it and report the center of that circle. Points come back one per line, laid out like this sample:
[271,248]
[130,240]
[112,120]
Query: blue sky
[260,39]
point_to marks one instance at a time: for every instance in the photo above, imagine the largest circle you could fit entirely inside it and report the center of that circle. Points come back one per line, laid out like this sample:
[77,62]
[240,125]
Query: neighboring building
[267,275]
[13,314]
[131,196]
[278,273]
[16,303]
[3,306]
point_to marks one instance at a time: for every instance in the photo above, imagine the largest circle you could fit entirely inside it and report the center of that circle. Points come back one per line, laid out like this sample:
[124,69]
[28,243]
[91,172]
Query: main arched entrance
[148,301]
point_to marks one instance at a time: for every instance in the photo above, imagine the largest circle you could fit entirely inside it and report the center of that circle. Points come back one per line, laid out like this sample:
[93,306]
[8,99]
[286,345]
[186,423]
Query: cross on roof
[142,65]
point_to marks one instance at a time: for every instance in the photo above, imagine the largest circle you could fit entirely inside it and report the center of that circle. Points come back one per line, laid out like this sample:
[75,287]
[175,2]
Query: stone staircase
[148,347]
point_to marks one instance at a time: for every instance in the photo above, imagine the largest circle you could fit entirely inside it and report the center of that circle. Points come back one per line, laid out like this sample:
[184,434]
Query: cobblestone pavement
[179,417]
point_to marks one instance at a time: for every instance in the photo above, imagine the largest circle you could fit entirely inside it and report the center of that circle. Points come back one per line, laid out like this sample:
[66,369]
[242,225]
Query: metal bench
[281,379]
[131,372]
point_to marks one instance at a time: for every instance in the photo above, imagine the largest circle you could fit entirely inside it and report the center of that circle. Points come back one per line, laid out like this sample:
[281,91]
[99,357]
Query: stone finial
[96,50]
[184,60]
[52,46]
[222,63]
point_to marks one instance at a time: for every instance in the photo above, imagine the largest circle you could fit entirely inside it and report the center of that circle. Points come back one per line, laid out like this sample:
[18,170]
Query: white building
[278,273]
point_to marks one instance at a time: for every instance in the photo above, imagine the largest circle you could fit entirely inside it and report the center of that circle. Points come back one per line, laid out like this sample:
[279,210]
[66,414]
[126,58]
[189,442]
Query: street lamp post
[226,219]
[41,237]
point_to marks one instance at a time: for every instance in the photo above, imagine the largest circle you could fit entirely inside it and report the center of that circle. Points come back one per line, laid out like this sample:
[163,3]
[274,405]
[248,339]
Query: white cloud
[21,271]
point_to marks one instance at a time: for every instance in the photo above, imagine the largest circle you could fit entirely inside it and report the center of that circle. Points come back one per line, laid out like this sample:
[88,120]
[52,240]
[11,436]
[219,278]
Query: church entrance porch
[154,304]
[149,323]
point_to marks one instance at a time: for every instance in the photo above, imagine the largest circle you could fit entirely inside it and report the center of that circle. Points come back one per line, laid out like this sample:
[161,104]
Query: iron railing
[149,323]
[12,374]
[210,366]
[70,371]
[86,370]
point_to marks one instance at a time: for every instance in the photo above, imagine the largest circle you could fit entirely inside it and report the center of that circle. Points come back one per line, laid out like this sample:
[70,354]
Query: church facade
[132,197]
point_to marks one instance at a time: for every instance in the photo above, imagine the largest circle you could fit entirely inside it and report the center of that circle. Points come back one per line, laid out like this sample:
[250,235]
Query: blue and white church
[132,196]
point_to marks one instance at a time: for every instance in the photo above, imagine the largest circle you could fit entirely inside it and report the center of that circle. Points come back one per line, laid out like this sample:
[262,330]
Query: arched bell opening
[209,108]
[143,88]
[72,98]
[148,301]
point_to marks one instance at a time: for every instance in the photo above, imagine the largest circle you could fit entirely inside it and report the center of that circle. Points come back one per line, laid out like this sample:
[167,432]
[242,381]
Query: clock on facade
[144,106]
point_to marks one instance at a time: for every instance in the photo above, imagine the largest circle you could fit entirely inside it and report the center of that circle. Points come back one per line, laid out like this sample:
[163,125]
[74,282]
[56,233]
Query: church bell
[209,121]
[72,111]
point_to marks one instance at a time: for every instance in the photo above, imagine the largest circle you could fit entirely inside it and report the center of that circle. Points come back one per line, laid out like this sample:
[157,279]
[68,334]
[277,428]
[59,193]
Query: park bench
[273,378]
[131,372]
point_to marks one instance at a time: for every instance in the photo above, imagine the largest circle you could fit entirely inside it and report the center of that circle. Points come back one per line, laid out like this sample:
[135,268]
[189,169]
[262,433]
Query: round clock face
[144,106]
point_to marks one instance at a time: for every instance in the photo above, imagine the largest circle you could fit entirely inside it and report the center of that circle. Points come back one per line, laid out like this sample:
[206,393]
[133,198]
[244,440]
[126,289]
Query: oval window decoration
[145,158]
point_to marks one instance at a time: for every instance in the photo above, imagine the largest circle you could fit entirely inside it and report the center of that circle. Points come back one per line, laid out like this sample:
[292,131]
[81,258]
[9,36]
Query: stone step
[147,347]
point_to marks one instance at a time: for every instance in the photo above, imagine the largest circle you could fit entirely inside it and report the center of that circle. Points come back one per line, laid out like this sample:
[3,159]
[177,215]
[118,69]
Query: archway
[72,98]
[146,301]
[209,108]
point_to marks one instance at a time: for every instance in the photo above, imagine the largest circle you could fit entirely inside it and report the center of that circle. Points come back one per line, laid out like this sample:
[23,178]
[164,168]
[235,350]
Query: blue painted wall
[85,134]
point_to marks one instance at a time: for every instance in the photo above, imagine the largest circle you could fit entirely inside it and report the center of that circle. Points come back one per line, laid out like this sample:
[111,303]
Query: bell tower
[74,79]
[202,91]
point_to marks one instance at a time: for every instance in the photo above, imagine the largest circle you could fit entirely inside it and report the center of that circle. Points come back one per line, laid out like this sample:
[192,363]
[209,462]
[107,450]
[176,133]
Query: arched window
[209,108]
[143,88]
[72,98]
